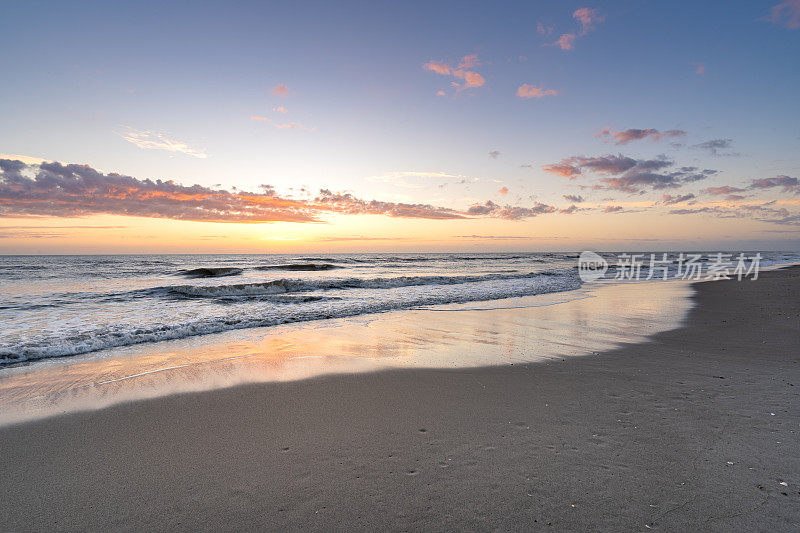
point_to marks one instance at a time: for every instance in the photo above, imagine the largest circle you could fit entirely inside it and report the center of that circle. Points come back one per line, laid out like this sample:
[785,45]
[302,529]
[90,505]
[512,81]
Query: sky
[257,127]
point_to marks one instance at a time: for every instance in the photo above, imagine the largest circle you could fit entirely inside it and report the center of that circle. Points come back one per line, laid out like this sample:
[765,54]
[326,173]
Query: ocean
[56,306]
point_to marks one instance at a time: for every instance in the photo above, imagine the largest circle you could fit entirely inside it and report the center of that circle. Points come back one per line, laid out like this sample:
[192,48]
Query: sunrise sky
[379,126]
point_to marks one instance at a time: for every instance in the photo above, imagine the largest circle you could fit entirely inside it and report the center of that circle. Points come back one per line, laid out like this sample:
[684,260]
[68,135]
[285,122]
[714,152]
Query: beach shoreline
[695,428]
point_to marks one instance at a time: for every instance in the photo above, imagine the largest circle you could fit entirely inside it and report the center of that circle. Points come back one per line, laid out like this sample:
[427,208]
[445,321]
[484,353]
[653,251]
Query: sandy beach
[695,429]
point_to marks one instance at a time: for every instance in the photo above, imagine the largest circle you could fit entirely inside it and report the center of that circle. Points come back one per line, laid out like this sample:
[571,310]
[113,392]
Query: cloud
[471,79]
[491,237]
[627,174]
[570,210]
[508,212]
[280,90]
[715,145]
[691,211]
[346,203]
[159,141]
[668,199]
[724,190]
[786,14]
[566,41]
[587,19]
[503,191]
[532,91]
[280,109]
[607,164]
[633,134]
[494,154]
[788,184]
[689,174]
[632,181]
[78,190]
[762,213]
[612,209]
[563,169]
[543,30]
[469,61]
[57,190]
[573,198]
[699,68]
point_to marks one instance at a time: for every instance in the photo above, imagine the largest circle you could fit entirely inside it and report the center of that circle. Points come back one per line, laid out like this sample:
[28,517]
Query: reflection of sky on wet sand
[507,331]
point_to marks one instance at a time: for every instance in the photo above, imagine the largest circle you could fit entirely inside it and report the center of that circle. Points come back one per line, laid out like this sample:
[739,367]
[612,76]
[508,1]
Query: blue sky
[82,76]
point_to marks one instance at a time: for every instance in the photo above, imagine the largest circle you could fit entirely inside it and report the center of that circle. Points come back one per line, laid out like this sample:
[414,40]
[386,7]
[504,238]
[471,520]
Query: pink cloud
[471,79]
[612,209]
[563,169]
[280,90]
[503,191]
[634,134]
[786,14]
[68,191]
[438,67]
[469,61]
[699,68]
[280,109]
[532,91]
[588,18]
[544,30]
[566,41]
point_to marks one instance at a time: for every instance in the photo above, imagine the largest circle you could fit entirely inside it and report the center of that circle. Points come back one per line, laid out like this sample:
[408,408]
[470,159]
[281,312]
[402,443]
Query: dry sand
[697,429]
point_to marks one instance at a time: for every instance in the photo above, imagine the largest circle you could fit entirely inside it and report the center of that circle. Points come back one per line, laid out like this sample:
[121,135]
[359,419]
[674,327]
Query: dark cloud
[690,174]
[628,174]
[715,145]
[571,209]
[723,190]
[508,212]
[607,164]
[691,211]
[668,199]
[612,209]
[635,170]
[573,198]
[494,154]
[788,184]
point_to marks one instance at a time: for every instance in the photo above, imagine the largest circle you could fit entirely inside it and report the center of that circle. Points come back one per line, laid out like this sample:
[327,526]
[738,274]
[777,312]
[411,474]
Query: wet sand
[697,428]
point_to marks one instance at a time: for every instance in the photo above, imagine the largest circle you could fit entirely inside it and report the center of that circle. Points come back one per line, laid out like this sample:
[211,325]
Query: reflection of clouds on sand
[500,332]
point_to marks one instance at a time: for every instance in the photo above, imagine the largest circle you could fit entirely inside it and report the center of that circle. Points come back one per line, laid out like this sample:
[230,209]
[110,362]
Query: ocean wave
[210,272]
[287,285]
[68,343]
[301,267]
